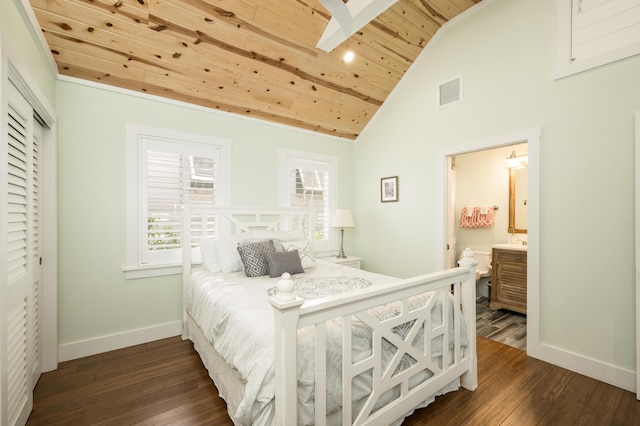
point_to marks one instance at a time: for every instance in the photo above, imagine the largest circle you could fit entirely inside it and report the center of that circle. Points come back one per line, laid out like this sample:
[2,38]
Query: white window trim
[565,64]
[135,133]
[284,155]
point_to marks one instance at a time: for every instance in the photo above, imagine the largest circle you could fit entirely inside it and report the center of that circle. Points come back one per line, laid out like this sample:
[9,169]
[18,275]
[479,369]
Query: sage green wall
[94,298]
[18,42]
[505,52]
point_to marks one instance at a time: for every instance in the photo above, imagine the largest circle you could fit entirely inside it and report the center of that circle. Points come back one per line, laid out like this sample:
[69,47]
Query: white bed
[374,343]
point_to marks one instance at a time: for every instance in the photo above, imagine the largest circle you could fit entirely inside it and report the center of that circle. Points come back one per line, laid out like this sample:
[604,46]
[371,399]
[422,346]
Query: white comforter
[236,317]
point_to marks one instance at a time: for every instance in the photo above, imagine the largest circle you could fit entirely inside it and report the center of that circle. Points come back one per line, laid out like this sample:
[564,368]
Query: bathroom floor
[501,326]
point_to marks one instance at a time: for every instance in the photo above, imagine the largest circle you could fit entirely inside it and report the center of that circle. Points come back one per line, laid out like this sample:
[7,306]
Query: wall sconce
[343,219]
[517,161]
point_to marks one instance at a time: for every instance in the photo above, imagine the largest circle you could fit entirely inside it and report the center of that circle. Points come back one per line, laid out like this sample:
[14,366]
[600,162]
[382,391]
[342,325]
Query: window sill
[148,271]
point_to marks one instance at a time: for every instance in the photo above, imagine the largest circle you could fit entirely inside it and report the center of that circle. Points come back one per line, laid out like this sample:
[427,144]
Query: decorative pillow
[281,262]
[209,256]
[305,250]
[277,244]
[228,256]
[253,258]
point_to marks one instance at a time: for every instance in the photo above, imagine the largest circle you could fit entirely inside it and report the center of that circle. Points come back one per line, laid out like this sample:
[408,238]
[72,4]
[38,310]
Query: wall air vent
[450,92]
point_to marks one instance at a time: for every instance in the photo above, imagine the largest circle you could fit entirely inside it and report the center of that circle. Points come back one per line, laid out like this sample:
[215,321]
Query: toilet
[484,263]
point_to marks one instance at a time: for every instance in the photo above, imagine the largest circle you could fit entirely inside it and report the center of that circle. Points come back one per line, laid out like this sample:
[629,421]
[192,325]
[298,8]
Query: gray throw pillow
[253,258]
[281,262]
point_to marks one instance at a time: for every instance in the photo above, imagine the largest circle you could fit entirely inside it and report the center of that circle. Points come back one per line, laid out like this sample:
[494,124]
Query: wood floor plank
[570,402]
[164,383]
[628,413]
[502,403]
[602,406]
[531,403]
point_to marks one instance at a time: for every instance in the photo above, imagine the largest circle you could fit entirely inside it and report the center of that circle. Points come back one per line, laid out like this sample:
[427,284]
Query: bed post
[470,378]
[286,311]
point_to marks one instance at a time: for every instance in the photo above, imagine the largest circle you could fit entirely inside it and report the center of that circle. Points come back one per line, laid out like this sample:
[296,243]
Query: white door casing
[36,254]
[532,138]
[637,182]
[451,246]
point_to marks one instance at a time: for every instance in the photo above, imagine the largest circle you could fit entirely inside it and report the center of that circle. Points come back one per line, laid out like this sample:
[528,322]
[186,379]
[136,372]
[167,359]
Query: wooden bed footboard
[426,372]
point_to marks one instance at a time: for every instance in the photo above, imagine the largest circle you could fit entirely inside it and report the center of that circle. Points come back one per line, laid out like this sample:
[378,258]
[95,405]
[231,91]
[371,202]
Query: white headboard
[205,220]
[215,221]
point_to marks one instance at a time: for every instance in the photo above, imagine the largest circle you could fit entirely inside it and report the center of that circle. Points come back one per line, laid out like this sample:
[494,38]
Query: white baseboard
[97,345]
[610,374]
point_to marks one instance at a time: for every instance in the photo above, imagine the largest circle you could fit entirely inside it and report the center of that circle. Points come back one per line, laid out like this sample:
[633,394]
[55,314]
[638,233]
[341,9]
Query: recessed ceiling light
[348,57]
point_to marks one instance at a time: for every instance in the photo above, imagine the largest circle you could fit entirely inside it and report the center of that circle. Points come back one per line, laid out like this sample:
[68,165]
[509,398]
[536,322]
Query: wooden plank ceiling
[250,57]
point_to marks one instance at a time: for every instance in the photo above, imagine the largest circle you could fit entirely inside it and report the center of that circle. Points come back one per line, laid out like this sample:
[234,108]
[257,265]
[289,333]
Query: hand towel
[466,217]
[485,217]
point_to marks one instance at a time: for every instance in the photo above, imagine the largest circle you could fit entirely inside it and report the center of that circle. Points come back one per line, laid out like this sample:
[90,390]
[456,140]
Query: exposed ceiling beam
[347,18]
[340,13]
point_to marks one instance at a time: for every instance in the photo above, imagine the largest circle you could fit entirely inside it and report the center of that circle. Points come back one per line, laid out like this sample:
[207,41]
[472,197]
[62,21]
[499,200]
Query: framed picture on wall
[389,189]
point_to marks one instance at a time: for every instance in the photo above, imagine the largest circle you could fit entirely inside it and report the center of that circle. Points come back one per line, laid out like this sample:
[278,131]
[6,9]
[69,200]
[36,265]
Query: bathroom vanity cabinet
[509,280]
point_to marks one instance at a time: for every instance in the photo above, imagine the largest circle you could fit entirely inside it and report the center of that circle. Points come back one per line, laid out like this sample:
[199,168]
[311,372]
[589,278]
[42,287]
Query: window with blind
[591,33]
[309,180]
[171,167]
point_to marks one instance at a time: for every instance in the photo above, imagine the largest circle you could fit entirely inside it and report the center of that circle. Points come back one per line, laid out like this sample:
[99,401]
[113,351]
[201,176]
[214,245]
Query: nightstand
[351,261]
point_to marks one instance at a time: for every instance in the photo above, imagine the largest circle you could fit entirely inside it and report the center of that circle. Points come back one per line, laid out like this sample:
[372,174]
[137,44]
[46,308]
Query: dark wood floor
[164,383]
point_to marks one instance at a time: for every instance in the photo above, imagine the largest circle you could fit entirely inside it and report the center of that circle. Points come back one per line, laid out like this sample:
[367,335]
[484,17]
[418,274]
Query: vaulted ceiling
[250,57]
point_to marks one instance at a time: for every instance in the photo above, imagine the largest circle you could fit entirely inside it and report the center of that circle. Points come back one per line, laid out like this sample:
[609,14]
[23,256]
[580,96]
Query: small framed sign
[389,189]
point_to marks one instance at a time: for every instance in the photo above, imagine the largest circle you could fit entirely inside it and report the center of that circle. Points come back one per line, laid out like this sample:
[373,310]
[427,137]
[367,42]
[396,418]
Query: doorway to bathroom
[476,175]
[489,203]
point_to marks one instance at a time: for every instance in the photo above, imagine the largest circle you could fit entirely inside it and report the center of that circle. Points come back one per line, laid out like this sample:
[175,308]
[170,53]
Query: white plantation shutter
[591,33]
[602,26]
[164,196]
[311,183]
[171,170]
[163,167]
[17,262]
[203,184]
[309,187]
[17,196]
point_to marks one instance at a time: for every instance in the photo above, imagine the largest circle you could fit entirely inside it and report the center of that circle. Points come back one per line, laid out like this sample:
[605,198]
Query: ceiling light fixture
[348,57]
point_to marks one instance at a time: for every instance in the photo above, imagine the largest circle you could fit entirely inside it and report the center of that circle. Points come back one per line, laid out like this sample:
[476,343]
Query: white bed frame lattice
[457,284]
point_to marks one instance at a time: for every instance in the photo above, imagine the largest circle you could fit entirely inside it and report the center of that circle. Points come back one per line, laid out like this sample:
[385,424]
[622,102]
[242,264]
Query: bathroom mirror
[518,201]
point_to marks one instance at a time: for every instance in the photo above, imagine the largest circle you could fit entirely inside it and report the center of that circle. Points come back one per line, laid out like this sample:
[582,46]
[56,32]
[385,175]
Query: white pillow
[305,250]
[278,235]
[228,256]
[209,256]
[227,251]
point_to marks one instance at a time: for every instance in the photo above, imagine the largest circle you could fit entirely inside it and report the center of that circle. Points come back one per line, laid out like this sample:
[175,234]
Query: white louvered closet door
[20,351]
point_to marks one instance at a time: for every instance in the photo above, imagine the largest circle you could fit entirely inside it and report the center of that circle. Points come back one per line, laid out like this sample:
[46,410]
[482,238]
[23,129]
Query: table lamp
[343,219]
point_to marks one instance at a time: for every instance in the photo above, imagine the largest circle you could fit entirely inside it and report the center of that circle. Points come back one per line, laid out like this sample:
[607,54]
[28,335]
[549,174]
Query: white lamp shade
[343,219]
